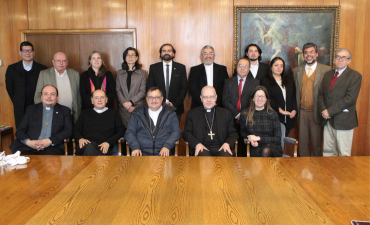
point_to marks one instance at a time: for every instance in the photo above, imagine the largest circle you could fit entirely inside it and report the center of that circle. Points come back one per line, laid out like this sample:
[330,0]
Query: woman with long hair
[130,84]
[282,91]
[260,124]
[96,77]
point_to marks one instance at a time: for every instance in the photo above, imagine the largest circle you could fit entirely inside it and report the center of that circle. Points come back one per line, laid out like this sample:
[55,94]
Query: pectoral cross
[211,134]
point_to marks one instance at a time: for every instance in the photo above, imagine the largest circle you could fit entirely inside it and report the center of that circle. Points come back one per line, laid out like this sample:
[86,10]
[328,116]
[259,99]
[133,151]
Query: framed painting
[283,30]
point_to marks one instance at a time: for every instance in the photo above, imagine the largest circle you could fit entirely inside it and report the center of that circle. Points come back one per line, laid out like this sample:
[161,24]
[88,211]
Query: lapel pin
[56,112]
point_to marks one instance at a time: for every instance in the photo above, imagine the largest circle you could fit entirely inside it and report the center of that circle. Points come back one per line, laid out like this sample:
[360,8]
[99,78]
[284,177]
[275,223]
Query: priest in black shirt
[210,129]
[98,129]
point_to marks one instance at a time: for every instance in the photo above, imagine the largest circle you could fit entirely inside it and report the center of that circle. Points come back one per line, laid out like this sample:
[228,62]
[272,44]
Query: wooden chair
[187,148]
[176,149]
[283,141]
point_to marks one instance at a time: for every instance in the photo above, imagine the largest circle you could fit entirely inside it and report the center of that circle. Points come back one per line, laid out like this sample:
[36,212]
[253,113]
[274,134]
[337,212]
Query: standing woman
[96,77]
[131,84]
[281,89]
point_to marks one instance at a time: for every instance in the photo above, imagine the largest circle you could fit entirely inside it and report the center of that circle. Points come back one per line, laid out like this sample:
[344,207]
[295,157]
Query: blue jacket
[138,133]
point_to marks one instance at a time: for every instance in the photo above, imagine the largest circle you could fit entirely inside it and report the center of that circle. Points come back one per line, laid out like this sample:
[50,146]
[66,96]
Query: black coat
[262,72]
[198,79]
[178,85]
[277,100]
[85,88]
[194,132]
[31,125]
[15,79]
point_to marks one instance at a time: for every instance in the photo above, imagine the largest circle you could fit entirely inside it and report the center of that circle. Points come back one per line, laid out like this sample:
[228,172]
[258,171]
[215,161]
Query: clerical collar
[101,110]
[48,108]
[209,110]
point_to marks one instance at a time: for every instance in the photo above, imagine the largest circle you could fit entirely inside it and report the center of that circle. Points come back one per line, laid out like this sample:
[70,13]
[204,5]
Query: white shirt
[254,69]
[284,95]
[64,88]
[340,71]
[243,82]
[313,68]
[164,74]
[154,115]
[101,110]
[209,73]
[29,67]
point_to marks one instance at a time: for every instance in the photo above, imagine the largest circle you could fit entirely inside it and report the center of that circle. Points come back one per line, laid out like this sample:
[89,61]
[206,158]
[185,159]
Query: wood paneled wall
[187,24]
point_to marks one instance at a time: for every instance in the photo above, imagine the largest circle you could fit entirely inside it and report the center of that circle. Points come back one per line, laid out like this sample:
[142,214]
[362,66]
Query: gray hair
[344,50]
[206,47]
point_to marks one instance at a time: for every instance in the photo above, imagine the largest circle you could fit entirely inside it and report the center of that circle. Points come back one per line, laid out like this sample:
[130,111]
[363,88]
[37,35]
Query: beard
[167,57]
[313,61]
[253,59]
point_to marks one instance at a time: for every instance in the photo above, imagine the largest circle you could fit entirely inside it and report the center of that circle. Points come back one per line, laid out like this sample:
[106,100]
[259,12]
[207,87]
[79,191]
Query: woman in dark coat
[96,77]
[260,124]
[281,89]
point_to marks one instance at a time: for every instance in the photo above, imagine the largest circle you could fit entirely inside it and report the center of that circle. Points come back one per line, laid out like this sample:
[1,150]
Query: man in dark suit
[207,74]
[21,79]
[210,129]
[307,79]
[170,78]
[236,95]
[257,69]
[44,126]
[337,101]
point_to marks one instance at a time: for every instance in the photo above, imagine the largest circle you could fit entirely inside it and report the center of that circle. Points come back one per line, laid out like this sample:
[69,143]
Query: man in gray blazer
[66,80]
[337,101]
[307,79]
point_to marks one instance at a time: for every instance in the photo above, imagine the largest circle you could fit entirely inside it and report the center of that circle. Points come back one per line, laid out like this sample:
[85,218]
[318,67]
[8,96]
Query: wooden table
[186,190]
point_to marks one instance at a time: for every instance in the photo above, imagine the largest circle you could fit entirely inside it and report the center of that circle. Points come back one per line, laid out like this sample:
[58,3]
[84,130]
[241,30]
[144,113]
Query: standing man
[66,80]
[307,79]
[44,126]
[207,74]
[257,69]
[170,78]
[21,79]
[337,101]
[236,95]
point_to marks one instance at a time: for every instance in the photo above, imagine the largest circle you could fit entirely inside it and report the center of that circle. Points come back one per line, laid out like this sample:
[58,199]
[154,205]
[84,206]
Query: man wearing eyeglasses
[209,129]
[206,74]
[153,128]
[236,95]
[66,80]
[21,79]
[337,101]
[307,78]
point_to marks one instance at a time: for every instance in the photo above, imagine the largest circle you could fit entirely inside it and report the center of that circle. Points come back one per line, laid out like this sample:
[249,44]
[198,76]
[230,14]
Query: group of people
[54,104]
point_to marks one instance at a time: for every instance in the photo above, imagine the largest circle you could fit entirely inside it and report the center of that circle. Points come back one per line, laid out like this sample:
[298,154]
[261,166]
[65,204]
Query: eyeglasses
[260,96]
[208,53]
[156,98]
[338,57]
[311,52]
[212,97]
[131,56]
[245,66]
[60,60]
[27,51]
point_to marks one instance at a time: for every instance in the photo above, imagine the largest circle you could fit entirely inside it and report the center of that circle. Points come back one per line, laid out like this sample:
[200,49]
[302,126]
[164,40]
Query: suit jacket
[195,134]
[341,100]
[137,91]
[262,72]
[85,88]
[230,94]
[298,72]
[198,79]
[178,84]
[15,80]
[31,125]
[277,100]
[47,77]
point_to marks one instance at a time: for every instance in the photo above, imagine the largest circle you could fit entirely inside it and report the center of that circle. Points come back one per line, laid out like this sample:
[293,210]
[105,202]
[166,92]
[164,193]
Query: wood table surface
[185,190]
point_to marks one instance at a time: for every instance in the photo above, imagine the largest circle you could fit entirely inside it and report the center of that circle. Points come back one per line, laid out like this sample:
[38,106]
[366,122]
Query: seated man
[98,129]
[44,126]
[153,128]
[209,129]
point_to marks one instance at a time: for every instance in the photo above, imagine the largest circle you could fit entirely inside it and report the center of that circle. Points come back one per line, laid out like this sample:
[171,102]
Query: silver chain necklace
[210,127]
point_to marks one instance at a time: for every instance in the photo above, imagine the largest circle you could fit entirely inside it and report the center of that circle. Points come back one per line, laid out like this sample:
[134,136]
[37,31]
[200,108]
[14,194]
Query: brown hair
[103,69]
[252,106]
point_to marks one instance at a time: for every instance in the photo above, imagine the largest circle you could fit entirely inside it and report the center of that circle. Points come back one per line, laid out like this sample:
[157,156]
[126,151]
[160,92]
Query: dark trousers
[51,150]
[92,149]
[308,129]
[214,152]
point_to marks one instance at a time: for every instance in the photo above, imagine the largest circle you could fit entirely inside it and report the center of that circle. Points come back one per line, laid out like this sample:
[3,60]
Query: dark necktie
[238,105]
[336,74]
[167,80]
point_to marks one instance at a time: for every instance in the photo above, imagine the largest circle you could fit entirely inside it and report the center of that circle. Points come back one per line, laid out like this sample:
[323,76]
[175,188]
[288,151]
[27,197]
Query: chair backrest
[282,127]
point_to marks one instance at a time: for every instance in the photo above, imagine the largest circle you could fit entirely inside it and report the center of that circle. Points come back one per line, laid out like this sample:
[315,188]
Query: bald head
[208,97]
[60,62]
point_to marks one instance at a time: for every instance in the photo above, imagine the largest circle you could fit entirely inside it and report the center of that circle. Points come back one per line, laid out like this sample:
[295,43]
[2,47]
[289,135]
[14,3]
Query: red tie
[335,78]
[238,105]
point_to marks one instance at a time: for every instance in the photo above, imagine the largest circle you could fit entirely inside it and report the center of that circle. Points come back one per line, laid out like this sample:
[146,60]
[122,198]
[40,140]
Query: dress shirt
[254,69]
[29,67]
[47,117]
[243,82]
[154,115]
[340,71]
[209,73]
[64,87]
[313,68]
[164,74]
[101,110]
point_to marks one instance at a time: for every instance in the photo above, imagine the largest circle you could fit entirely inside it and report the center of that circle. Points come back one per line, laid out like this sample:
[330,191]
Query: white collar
[101,110]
